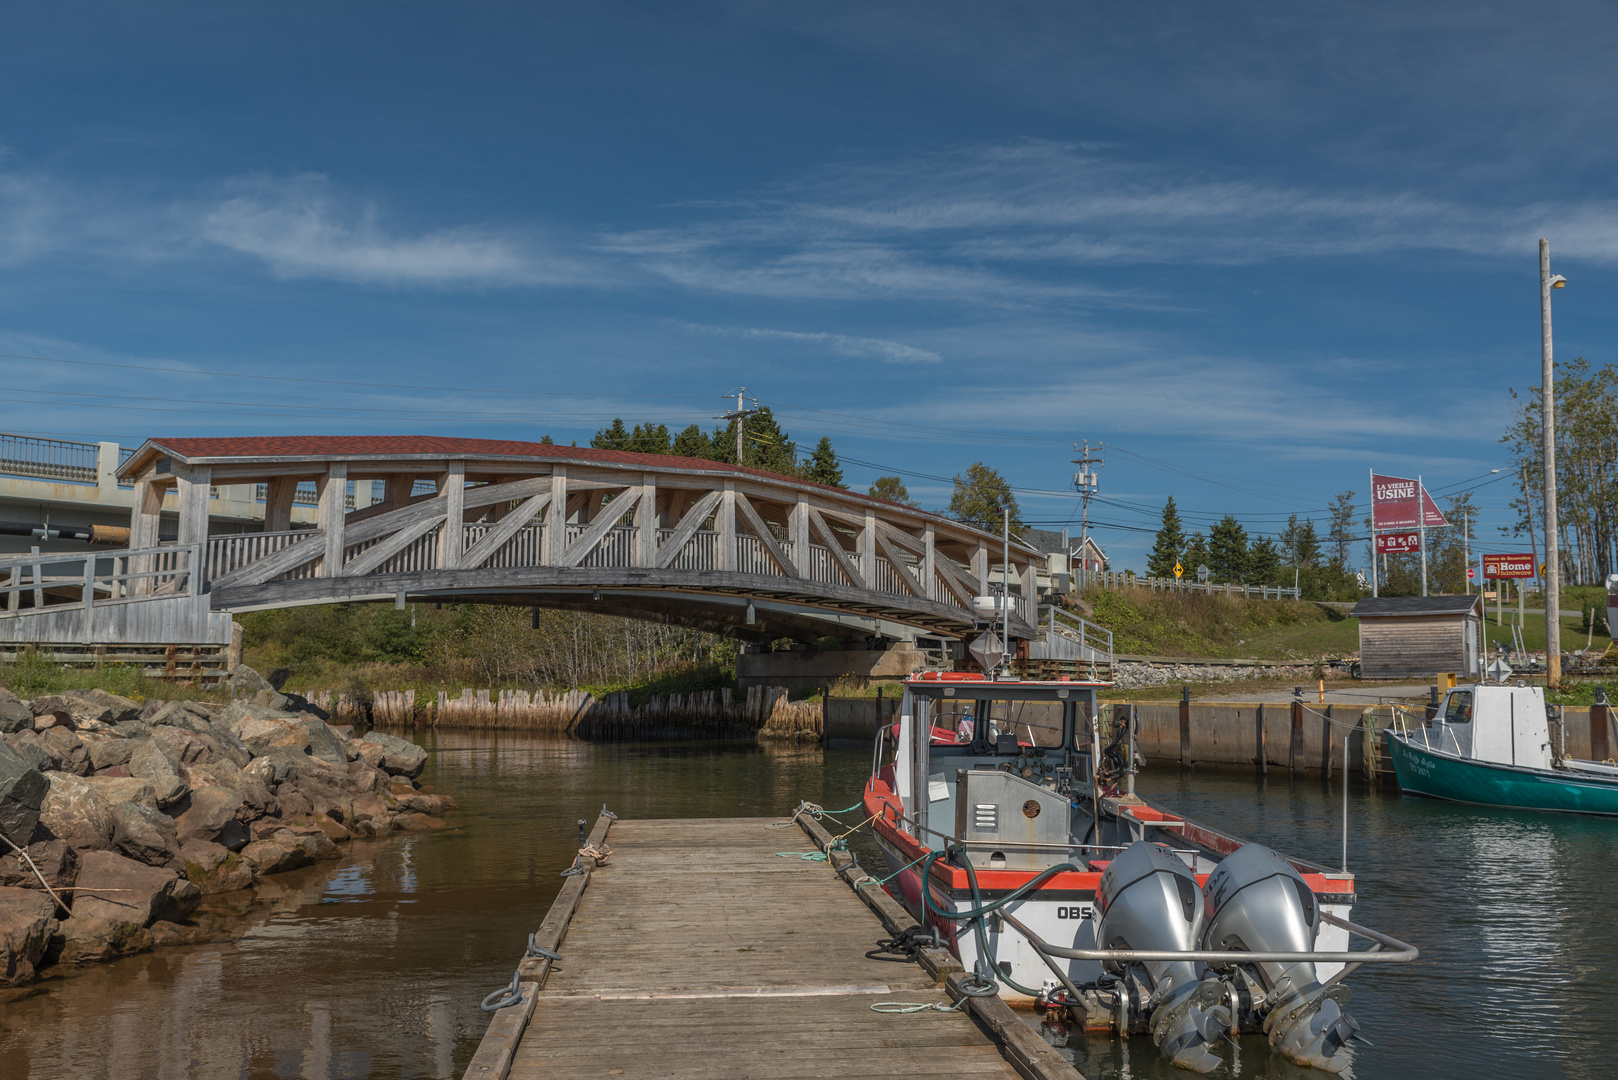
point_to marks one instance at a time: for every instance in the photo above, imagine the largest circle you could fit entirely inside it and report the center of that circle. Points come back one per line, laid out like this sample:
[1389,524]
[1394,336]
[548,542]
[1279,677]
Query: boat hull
[1424,771]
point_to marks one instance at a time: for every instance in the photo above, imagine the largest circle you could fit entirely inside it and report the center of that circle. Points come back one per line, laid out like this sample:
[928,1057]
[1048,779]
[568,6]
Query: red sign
[1397,543]
[1508,566]
[1471,573]
[1393,505]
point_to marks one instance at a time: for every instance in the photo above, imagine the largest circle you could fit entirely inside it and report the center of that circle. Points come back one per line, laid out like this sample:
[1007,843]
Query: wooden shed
[1420,635]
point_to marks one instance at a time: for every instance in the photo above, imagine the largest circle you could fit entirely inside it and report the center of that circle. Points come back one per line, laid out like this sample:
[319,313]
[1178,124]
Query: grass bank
[1148,622]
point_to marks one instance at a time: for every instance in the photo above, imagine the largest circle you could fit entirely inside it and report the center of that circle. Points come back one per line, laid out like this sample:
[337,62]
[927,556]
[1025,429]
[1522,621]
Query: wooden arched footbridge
[719,547]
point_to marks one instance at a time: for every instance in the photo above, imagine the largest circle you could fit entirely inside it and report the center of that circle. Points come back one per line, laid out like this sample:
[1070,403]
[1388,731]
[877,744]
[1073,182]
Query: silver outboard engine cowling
[1149,900]
[1256,901]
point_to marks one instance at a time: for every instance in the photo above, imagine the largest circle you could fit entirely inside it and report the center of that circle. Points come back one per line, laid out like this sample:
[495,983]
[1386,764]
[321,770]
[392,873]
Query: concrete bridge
[696,543]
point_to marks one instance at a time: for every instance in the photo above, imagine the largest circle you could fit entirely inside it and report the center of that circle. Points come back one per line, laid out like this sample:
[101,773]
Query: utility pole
[740,416]
[1466,547]
[1087,483]
[1553,571]
[1421,516]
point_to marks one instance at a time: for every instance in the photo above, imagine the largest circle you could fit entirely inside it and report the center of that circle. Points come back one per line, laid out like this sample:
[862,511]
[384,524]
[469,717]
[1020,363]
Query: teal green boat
[1491,746]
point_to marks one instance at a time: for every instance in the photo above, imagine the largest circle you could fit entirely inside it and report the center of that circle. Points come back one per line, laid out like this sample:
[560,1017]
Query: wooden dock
[697,951]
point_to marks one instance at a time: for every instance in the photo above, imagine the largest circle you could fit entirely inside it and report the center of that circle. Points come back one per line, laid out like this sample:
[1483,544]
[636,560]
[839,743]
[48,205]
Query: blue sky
[1255,249]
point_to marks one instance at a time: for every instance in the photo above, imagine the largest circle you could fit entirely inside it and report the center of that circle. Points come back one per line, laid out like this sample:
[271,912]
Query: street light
[1553,574]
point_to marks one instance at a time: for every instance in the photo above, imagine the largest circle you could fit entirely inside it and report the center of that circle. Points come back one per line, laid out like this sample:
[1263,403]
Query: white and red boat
[1007,815]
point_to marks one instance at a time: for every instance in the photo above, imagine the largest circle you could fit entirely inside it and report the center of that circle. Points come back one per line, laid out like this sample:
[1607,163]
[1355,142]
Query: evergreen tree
[1263,562]
[1170,543]
[893,489]
[649,438]
[693,442]
[822,466]
[547,440]
[1227,550]
[980,495]
[612,437]
[1196,554]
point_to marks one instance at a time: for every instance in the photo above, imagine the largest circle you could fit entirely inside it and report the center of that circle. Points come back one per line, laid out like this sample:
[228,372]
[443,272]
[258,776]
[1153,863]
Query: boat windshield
[1035,723]
[1458,710]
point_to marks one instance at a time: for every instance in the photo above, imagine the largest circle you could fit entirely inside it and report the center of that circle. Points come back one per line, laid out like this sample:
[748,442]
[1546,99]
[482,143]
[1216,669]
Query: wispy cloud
[862,348]
[302,227]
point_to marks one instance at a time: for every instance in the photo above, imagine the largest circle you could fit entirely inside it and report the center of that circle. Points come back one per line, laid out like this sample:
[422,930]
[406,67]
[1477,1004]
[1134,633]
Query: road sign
[1471,573]
[1178,569]
[1398,543]
[1203,573]
[1394,502]
[1508,566]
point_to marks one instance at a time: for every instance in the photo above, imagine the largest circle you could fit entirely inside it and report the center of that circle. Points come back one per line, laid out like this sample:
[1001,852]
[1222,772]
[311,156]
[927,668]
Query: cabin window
[957,715]
[1459,708]
[1036,723]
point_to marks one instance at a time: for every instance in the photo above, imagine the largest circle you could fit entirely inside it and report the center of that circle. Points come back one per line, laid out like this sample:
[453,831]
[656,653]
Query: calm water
[374,967]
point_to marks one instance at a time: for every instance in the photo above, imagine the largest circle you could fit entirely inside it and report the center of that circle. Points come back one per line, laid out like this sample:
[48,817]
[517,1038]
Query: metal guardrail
[48,459]
[1117,579]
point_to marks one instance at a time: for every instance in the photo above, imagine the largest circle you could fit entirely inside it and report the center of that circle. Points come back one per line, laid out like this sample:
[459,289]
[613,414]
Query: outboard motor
[1257,902]
[1149,900]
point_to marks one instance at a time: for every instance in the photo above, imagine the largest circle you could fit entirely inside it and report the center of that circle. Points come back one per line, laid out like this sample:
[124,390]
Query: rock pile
[133,813]
[1128,675]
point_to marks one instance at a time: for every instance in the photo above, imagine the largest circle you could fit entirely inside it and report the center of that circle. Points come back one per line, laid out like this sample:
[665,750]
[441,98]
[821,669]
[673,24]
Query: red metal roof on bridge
[330,446]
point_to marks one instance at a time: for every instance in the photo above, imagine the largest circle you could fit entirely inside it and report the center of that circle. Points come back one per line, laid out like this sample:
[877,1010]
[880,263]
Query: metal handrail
[1016,845]
[1402,953]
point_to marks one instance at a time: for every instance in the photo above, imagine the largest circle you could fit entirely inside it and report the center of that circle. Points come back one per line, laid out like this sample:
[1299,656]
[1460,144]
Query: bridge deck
[697,952]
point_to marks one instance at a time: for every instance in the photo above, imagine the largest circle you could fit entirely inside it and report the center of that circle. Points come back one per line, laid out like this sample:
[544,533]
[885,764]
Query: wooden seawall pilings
[1307,737]
[762,711]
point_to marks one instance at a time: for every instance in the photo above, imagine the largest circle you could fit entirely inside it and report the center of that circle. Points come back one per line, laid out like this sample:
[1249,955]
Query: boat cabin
[1000,761]
[1501,724]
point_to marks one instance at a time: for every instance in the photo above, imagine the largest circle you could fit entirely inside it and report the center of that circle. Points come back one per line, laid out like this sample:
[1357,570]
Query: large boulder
[28,902]
[324,743]
[24,937]
[54,859]
[275,857]
[256,795]
[261,728]
[51,710]
[111,886]
[88,940]
[22,792]
[66,749]
[144,834]
[118,709]
[399,756]
[107,753]
[73,810]
[211,814]
[15,715]
[214,869]
[183,746]
[364,778]
[131,729]
[151,764]
[117,789]
[244,680]
[27,745]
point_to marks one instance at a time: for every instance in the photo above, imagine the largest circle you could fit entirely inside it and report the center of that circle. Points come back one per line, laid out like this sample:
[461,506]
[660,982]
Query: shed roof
[1394,607]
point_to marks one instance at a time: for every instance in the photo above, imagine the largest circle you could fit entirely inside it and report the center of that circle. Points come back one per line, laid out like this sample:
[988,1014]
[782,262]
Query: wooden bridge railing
[234,556]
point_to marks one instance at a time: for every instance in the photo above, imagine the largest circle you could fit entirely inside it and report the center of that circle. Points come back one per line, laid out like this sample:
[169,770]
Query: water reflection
[374,967]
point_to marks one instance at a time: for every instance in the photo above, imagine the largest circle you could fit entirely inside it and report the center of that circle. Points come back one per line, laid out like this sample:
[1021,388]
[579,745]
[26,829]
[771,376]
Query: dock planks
[697,952]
